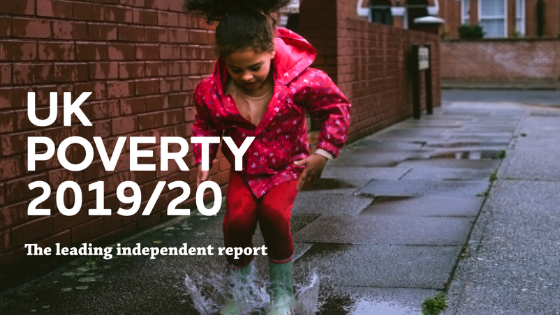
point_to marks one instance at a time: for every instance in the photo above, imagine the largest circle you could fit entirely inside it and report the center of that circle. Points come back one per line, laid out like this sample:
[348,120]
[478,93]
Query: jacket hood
[294,54]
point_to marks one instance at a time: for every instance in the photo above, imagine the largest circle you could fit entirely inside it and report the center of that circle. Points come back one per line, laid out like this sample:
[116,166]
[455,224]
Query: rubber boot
[240,291]
[282,293]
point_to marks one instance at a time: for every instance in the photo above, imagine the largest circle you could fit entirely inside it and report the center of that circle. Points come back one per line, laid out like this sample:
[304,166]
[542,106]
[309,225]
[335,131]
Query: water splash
[307,296]
[208,293]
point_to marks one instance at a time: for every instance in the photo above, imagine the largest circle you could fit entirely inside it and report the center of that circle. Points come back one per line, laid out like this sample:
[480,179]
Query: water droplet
[87,279]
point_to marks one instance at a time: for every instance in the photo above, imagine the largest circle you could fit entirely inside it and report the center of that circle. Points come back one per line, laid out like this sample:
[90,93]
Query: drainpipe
[541,22]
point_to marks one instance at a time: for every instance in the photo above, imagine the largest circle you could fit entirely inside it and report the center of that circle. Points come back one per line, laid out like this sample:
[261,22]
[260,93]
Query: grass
[502,154]
[484,194]
[434,305]
[91,264]
[494,176]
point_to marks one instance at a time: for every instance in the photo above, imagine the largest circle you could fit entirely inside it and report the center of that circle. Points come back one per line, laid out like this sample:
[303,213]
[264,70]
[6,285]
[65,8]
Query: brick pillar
[319,25]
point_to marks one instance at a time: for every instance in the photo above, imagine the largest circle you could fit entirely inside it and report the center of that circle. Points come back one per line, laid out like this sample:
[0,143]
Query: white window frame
[465,16]
[520,15]
[505,17]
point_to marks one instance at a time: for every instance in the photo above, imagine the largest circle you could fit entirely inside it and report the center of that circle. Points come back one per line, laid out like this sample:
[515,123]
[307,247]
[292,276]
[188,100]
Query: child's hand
[314,165]
[200,175]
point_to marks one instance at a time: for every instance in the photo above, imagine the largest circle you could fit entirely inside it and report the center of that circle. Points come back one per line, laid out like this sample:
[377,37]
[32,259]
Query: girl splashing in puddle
[261,87]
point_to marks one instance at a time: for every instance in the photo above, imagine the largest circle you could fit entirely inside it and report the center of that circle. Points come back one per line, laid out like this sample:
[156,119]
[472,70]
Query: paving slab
[474,113]
[374,301]
[425,206]
[337,186]
[419,173]
[438,117]
[201,227]
[307,203]
[386,145]
[411,132]
[386,230]
[465,144]
[413,138]
[419,187]
[429,124]
[356,172]
[483,139]
[390,266]
[452,163]
[375,158]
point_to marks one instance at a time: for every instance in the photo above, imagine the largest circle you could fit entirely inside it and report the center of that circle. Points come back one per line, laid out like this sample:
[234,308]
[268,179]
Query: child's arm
[326,103]
[203,126]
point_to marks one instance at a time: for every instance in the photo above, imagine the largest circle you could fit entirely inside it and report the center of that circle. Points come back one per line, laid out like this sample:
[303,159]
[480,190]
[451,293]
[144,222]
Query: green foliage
[445,33]
[515,34]
[91,264]
[502,154]
[494,176]
[471,31]
[435,305]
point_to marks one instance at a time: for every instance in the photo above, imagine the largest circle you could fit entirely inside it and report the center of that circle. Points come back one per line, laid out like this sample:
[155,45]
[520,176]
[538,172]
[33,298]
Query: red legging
[272,211]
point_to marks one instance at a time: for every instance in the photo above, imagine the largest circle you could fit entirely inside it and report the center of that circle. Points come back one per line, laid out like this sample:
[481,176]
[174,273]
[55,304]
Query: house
[498,18]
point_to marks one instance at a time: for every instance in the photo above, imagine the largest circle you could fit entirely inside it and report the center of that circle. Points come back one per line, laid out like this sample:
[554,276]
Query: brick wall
[141,59]
[368,61]
[501,59]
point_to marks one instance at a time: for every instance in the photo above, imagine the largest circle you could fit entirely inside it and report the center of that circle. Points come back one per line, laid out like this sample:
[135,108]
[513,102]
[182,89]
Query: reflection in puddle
[365,307]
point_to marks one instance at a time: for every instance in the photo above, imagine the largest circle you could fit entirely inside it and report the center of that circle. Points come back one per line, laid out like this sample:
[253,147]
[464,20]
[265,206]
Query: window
[492,17]
[465,12]
[520,16]
[381,15]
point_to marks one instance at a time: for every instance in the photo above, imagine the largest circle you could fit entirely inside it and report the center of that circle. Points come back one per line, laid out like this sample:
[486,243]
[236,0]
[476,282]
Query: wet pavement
[512,261]
[385,227]
[516,94]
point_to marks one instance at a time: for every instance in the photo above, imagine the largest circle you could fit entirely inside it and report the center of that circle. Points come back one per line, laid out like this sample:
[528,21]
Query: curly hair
[243,24]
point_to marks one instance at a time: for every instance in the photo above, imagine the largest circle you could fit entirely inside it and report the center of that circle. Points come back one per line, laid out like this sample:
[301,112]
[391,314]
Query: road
[545,98]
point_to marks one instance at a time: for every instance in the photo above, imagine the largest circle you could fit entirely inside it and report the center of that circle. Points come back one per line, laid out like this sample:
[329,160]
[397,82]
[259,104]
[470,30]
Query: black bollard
[415,74]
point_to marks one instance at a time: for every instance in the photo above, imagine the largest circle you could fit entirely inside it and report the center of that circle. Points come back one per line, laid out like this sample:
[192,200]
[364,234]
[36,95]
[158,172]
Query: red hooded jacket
[281,136]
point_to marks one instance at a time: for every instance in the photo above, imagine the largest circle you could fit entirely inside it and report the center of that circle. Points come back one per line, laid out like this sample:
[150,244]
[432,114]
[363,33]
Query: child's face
[249,69]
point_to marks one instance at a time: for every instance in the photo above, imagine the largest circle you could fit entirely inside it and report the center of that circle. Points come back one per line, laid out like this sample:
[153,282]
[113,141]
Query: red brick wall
[501,59]
[368,61]
[140,58]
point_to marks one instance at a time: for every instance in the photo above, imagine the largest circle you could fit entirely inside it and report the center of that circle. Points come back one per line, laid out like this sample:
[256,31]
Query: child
[261,87]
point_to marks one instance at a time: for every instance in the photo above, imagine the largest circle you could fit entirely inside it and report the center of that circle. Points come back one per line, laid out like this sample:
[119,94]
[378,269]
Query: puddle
[364,306]
[468,155]
[208,292]
[466,144]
